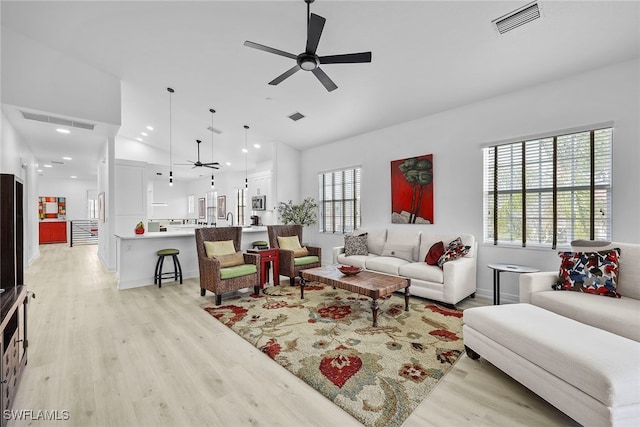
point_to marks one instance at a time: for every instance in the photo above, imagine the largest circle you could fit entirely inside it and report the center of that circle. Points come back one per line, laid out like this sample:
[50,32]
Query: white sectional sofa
[450,284]
[620,316]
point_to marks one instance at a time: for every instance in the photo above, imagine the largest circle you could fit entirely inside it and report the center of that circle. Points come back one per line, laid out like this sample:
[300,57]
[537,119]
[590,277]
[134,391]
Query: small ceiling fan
[199,164]
[308,60]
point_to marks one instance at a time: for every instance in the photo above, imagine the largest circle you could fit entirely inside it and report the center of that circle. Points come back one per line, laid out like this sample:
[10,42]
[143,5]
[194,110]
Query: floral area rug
[378,375]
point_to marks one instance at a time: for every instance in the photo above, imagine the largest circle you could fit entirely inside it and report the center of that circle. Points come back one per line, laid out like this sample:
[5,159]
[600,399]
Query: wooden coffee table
[368,283]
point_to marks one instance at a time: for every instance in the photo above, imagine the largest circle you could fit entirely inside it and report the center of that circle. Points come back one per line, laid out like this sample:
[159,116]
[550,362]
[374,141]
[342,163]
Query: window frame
[514,182]
[341,221]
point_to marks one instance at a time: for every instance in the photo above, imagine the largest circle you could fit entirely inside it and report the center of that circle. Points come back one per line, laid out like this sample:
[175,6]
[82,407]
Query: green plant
[305,213]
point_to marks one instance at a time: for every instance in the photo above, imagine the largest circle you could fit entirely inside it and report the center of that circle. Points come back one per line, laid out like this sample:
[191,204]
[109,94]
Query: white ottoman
[589,374]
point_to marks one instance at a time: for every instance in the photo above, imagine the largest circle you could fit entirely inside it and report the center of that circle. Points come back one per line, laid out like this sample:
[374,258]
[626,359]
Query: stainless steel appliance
[258,203]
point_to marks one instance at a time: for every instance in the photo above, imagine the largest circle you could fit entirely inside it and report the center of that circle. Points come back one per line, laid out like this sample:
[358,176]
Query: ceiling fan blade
[324,79]
[211,166]
[270,49]
[211,163]
[316,24]
[285,75]
[185,164]
[347,58]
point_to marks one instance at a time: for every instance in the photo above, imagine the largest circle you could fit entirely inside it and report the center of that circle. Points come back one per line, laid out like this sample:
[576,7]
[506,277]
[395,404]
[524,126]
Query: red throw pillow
[434,254]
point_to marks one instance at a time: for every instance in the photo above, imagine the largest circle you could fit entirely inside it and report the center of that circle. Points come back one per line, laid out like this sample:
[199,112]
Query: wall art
[412,190]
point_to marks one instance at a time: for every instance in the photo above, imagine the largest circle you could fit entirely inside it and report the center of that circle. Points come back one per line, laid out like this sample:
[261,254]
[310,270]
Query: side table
[511,268]
[268,256]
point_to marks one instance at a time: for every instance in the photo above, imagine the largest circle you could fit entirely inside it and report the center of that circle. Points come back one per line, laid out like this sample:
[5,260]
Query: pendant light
[170,153]
[246,154]
[212,111]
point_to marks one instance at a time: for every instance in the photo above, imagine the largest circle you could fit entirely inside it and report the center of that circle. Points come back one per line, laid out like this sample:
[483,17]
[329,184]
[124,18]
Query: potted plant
[305,214]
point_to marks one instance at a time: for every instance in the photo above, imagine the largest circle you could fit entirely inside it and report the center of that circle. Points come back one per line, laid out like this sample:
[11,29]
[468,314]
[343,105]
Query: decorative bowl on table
[349,270]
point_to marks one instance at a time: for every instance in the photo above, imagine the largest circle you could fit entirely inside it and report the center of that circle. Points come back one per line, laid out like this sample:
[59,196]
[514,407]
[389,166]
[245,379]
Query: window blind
[549,191]
[339,196]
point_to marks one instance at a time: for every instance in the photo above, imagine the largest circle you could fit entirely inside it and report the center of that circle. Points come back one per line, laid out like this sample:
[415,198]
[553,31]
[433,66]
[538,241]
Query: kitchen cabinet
[53,232]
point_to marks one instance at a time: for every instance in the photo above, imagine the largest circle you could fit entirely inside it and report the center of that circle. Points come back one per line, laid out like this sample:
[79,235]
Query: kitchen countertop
[182,233]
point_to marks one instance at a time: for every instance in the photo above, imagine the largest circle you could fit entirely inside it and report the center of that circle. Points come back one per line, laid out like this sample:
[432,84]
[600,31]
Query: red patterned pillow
[435,252]
[589,272]
[454,250]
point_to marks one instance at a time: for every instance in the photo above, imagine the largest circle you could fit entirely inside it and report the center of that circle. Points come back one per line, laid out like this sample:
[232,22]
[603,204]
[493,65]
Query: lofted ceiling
[428,56]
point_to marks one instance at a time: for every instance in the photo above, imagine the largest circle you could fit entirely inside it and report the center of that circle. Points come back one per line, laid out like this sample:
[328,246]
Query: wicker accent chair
[210,279]
[287,260]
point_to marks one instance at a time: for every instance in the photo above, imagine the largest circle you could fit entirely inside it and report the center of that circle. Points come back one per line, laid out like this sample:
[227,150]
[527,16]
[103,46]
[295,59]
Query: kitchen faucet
[230,213]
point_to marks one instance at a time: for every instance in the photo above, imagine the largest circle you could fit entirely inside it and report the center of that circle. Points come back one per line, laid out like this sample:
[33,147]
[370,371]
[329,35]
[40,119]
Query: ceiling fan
[199,164]
[308,60]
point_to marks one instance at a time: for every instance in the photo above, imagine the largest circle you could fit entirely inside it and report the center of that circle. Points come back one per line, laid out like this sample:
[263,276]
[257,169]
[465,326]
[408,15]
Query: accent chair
[225,271]
[293,260]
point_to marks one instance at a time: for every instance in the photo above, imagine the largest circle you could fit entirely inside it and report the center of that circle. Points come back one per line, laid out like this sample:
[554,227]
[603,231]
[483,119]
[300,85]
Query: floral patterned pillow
[589,272]
[455,249]
[356,245]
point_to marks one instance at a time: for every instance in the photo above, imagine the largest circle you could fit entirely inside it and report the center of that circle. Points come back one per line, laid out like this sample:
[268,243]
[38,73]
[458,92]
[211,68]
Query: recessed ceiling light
[39,170]
[139,139]
[73,177]
[144,134]
[66,158]
[63,130]
[150,127]
[228,163]
[48,166]
[256,145]
[244,150]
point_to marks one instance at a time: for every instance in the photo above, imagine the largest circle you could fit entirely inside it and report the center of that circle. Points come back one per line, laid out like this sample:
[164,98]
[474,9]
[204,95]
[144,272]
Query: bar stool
[260,244]
[177,269]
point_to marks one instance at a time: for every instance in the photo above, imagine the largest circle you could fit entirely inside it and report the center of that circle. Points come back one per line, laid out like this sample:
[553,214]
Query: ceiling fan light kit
[309,60]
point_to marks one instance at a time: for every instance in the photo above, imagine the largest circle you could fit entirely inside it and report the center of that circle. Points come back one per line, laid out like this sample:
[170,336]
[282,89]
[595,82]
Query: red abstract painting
[412,190]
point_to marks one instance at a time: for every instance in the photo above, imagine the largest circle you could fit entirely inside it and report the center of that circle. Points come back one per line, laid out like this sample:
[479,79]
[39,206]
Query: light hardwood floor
[153,357]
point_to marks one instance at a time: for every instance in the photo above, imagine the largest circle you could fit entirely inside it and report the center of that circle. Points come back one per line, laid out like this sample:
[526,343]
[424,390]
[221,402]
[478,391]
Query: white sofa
[620,316]
[451,284]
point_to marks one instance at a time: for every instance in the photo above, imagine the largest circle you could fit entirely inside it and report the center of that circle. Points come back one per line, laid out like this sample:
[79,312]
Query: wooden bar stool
[177,269]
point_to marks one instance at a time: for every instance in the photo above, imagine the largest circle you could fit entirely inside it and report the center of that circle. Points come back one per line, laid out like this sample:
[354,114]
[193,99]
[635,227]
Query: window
[241,200]
[549,191]
[339,196]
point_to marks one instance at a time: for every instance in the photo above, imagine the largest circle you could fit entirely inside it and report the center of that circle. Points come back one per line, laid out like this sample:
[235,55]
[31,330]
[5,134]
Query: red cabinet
[53,232]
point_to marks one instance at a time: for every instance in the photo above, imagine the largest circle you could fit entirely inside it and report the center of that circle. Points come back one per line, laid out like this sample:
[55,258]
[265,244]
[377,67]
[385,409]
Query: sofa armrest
[459,279]
[250,258]
[536,282]
[315,250]
[335,252]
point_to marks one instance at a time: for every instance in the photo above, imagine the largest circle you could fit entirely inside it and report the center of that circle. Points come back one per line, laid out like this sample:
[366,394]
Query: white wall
[455,139]
[75,192]
[18,160]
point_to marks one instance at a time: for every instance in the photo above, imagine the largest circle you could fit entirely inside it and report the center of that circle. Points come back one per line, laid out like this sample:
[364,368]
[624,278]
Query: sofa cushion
[230,260]
[384,264]
[422,271]
[619,316]
[303,251]
[356,245]
[399,251]
[221,247]
[375,240]
[434,254]
[589,272]
[455,249]
[404,238]
[289,242]
[355,260]
[238,271]
[305,260]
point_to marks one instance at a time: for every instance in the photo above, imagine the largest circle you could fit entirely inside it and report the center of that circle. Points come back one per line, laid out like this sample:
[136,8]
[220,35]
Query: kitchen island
[136,253]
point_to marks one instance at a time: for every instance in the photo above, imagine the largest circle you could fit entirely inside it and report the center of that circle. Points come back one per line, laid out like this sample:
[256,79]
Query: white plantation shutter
[339,195]
[549,191]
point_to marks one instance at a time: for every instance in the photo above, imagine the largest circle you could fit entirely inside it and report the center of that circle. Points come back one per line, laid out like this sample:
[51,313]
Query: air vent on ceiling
[214,130]
[56,120]
[518,17]
[296,116]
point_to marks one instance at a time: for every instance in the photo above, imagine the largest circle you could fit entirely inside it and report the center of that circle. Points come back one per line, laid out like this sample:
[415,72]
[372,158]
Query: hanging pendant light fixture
[246,154]
[170,152]
[212,111]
